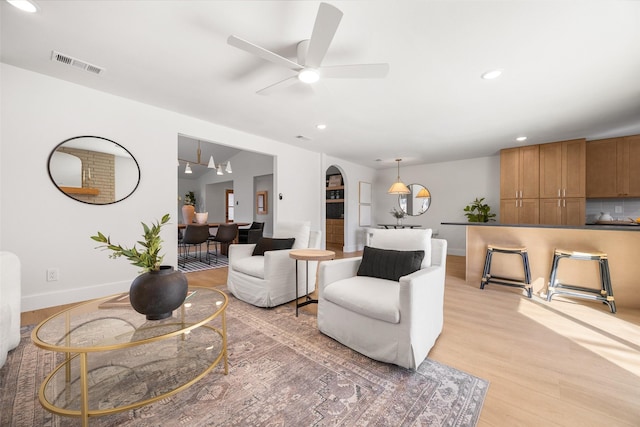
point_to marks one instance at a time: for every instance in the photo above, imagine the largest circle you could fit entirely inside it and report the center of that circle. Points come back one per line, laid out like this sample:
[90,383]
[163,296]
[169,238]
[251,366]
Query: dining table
[224,249]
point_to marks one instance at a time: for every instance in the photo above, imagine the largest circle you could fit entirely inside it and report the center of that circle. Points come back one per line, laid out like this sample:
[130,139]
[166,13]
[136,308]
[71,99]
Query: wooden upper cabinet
[563,169]
[519,172]
[613,167]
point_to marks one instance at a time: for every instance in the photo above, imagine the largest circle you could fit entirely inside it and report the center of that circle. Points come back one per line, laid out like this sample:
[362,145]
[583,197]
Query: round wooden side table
[308,255]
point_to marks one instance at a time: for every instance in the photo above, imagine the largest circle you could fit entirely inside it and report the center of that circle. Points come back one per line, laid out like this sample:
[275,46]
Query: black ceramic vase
[157,293]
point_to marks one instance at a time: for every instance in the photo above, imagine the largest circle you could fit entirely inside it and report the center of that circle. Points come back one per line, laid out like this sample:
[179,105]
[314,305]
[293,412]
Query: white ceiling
[571,69]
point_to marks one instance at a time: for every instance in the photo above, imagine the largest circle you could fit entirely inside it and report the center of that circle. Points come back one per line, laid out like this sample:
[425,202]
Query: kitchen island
[620,242]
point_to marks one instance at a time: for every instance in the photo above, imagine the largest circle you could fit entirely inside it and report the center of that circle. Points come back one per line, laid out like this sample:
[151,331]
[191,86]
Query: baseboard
[68,296]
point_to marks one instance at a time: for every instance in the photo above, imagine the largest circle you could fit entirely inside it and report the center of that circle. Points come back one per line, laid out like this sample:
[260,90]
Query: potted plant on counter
[189,208]
[159,289]
[478,211]
[398,215]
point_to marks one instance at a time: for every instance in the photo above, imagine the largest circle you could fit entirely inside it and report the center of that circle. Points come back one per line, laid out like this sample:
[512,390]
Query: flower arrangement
[149,258]
[397,214]
[190,198]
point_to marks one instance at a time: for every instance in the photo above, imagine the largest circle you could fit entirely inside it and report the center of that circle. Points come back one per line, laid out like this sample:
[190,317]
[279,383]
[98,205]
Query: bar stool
[604,294]
[507,281]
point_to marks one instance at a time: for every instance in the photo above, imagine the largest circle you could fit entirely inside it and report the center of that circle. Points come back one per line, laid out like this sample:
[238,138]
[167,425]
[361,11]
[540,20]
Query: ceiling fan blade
[324,29]
[262,53]
[358,71]
[277,86]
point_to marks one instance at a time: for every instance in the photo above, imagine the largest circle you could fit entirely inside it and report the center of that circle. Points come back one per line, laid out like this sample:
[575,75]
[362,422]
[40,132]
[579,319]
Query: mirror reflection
[94,170]
[417,202]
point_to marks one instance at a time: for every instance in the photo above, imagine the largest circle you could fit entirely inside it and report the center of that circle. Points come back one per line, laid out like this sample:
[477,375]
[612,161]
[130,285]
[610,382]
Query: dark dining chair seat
[226,234]
[194,236]
[251,234]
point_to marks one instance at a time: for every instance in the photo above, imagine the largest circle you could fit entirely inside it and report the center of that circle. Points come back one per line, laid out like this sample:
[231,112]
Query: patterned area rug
[196,265]
[282,372]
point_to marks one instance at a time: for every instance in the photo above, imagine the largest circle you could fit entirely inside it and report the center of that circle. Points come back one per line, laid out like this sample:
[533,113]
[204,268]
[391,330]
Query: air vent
[74,62]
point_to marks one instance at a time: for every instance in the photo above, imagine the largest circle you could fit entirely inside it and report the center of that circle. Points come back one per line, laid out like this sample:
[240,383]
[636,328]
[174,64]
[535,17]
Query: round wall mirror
[417,202]
[94,170]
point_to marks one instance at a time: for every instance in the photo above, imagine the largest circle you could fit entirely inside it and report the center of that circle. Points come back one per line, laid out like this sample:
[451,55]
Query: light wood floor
[564,363]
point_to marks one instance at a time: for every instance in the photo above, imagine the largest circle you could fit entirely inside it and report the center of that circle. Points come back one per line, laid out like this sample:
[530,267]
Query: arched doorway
[335,208]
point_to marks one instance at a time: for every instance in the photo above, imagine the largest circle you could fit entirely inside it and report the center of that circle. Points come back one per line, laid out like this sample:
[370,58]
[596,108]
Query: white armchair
[269,280]
[391,321]
[9,304]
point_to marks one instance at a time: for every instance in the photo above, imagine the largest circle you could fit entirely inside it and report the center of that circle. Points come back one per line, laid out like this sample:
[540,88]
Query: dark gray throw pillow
[269,244]
[389,264]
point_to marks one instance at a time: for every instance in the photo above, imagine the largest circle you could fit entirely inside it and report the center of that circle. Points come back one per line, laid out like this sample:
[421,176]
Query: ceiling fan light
[228,168]
[24,5]
[187,169]
[220,170]
[212,164]
[309,75]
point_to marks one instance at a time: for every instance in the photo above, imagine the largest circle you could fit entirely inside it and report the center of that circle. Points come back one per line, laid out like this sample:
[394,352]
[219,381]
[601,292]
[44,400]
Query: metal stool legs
[507,281]
[604,294]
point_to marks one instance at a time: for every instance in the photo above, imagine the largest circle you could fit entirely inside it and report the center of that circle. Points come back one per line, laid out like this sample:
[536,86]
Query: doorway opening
[335,212]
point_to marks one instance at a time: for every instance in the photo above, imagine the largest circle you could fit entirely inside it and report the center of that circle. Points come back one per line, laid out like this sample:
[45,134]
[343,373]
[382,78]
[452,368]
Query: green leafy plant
[478,211]
[190,198]
[149,258]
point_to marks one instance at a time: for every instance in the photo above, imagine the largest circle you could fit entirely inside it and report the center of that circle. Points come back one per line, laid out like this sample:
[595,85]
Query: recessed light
[492,74]
[321,126]
[309,75]
[521,138]
[24,5]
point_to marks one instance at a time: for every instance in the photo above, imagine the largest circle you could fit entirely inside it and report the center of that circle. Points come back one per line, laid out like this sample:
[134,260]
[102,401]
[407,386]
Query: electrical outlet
[52,274]
[618,209]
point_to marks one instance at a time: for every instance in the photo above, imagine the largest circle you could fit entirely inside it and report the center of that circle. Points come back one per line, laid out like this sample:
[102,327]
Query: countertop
[600,227]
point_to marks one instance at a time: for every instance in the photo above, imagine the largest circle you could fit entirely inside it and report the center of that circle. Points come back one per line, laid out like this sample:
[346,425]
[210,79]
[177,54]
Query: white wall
[47,229]
[453,185]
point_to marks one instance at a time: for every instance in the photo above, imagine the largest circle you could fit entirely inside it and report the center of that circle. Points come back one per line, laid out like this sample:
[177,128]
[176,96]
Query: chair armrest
[334,270]
[240,251]
[278,263]
[421,290]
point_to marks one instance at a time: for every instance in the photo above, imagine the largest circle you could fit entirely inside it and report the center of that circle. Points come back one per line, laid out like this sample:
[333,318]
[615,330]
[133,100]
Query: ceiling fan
[311,52]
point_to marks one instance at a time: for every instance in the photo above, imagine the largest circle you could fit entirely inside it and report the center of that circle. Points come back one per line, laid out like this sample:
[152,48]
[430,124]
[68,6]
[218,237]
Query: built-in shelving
[87,191]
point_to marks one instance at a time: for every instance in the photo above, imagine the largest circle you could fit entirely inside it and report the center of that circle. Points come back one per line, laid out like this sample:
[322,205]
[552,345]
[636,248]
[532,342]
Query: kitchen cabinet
[563,169]
[519,173]
[519,185]
[563,211]
[613,167]
[335,231]
[563,182]
[520,211]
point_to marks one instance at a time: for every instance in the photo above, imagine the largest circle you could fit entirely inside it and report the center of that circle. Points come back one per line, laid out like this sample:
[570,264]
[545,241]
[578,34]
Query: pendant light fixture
[399,187]
[211,165]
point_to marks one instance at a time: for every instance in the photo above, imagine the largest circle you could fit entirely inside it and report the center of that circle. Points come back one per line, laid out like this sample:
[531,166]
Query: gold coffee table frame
[103,327]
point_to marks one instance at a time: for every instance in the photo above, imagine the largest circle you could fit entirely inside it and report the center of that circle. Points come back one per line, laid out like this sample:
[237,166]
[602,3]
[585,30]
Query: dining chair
[226,234]
[194,236]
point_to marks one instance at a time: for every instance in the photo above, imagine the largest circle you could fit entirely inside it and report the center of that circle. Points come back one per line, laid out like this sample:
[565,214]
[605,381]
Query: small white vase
[201,217]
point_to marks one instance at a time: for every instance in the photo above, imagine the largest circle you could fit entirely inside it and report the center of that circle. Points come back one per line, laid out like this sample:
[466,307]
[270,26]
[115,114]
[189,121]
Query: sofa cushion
[251,266]
[389,264]
[368,296]
[268,244]
[298,230]
[403,240]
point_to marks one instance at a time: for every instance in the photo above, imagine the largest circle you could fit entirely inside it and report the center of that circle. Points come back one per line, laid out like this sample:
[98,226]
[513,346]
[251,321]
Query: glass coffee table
[114,359]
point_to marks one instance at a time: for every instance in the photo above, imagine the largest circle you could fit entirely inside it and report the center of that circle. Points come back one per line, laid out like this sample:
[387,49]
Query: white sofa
[269,280]
[391,321]
[9,304]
